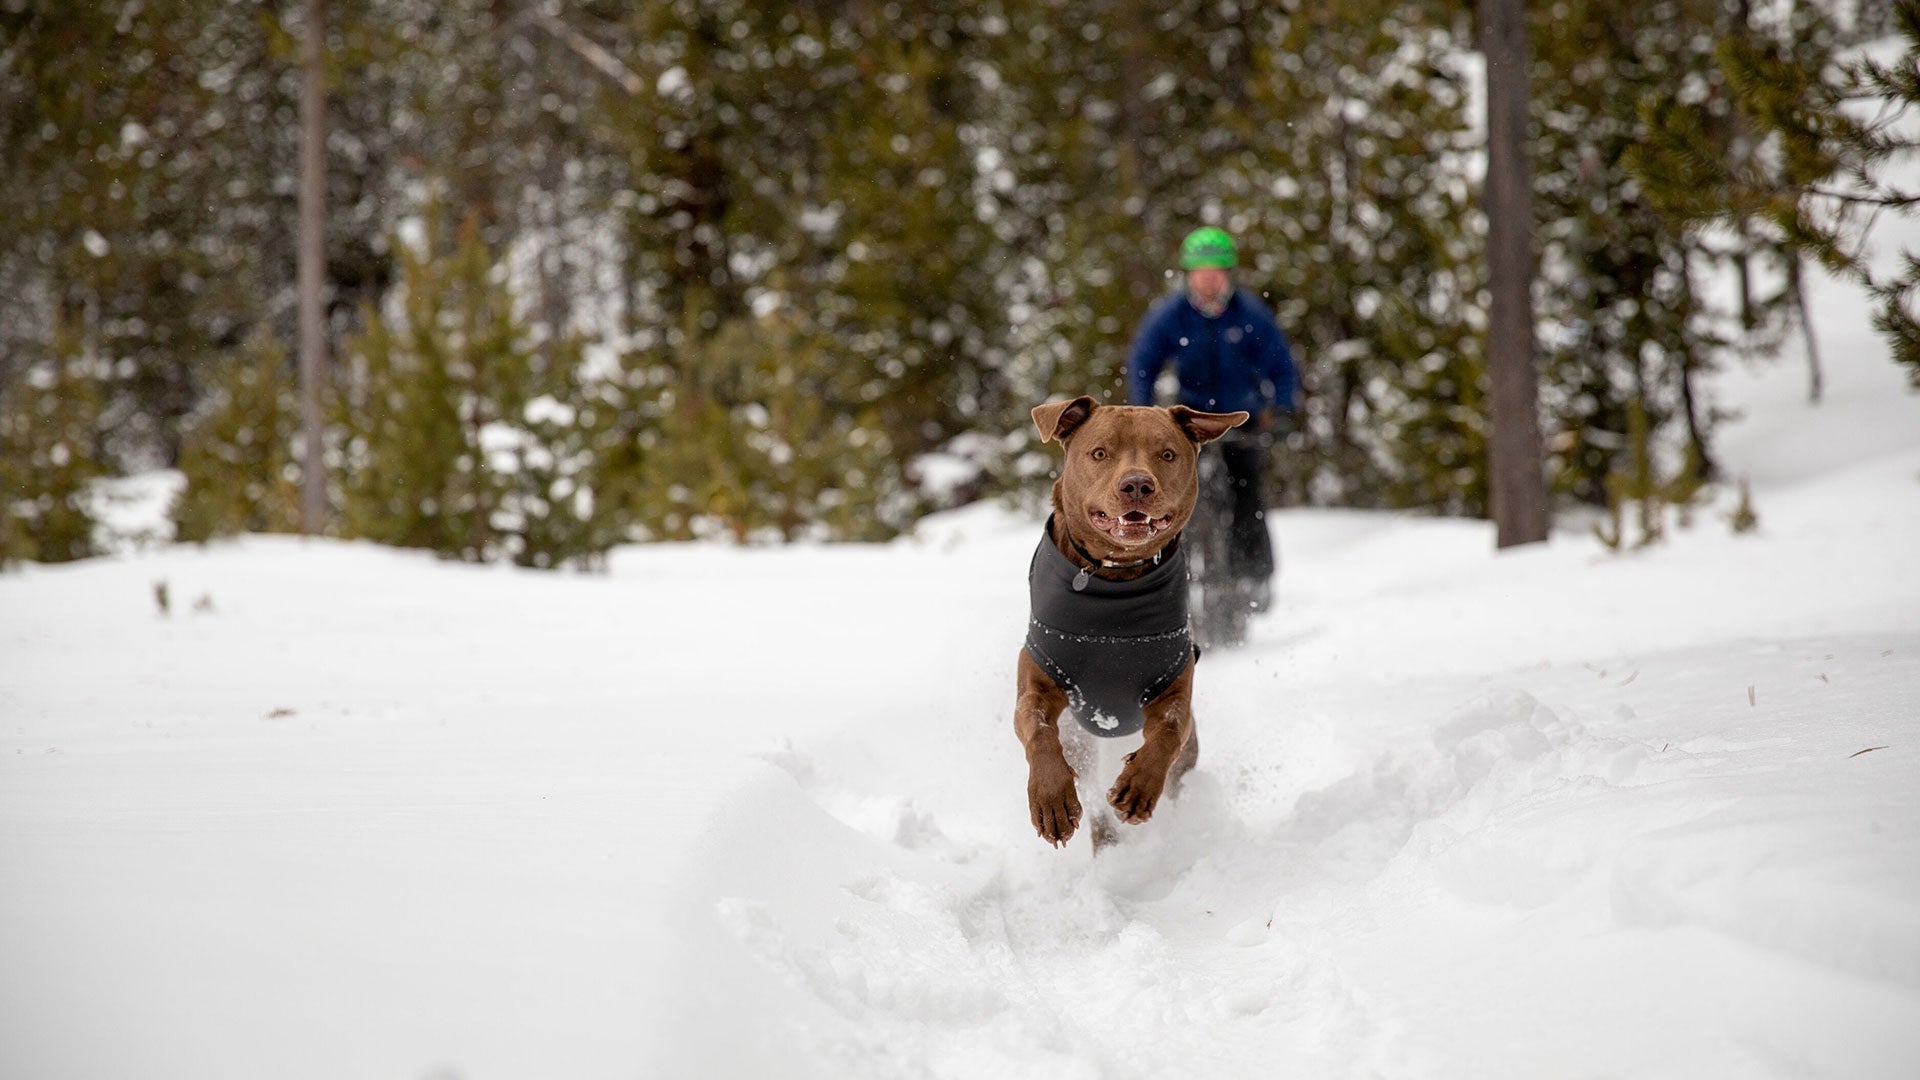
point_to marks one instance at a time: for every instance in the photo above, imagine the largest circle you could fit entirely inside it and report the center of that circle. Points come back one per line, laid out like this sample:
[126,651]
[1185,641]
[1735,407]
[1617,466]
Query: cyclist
[1229,355]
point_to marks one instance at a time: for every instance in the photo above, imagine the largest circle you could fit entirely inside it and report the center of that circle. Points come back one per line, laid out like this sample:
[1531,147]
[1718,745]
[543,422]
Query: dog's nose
[1136,485]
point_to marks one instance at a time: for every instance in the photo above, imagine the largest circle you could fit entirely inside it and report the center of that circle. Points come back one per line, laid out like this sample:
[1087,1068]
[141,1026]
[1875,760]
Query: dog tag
[1080,579]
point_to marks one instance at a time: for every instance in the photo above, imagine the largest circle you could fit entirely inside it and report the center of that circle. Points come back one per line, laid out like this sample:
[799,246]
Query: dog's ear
[1204,427]
[1057,419]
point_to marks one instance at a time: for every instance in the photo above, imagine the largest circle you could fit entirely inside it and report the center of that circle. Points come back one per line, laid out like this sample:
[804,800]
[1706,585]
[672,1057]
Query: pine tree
[459,431]
[1378,266]
[1639,484]
[814,162]
[1870,151]
[748,447]
[50,434]
[1624,323]
[237,459]
[130,159]
[1818,139]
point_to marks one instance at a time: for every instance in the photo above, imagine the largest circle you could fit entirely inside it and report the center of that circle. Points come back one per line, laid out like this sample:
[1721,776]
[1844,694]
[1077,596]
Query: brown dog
[1108,636]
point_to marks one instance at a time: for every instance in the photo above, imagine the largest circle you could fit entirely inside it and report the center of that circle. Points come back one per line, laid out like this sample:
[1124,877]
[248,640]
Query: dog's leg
[1051,800]
[1189,757]
[1168,729]
[1088,756]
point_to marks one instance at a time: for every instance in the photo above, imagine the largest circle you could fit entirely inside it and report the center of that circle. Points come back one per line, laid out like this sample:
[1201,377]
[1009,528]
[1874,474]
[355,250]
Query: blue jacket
[1239,360]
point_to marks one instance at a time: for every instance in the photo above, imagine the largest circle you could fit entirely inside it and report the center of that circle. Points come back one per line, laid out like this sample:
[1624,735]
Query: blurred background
[602,272]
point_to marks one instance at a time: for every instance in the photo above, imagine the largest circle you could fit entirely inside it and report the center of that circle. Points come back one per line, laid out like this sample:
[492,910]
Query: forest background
[599,272]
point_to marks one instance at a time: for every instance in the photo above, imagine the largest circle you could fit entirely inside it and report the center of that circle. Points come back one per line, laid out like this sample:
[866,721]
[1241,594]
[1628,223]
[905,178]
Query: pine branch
[1895,319]
[594,53]
[1893,200]
[1902,85]
[1906,14]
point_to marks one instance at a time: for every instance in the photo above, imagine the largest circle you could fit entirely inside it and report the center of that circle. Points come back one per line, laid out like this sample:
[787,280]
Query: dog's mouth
[1132,527]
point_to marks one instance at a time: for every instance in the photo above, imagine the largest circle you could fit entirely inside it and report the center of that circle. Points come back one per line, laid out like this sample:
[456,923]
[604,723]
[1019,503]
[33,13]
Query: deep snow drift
[349,812]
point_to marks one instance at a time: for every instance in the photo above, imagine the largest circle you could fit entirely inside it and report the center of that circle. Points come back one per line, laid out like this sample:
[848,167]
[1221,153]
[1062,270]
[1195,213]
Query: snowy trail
[1440,828]
[761,813]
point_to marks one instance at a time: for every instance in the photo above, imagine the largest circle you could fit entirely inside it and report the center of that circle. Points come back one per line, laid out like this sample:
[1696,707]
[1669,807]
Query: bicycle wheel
[1217,599]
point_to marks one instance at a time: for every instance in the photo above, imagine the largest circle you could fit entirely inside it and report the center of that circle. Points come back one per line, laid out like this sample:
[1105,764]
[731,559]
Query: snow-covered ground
[352,812]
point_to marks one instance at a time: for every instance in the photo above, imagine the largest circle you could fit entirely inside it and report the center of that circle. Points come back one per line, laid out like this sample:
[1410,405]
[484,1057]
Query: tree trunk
[1816,378]
[312,272]
[1519,493]
[1705,468]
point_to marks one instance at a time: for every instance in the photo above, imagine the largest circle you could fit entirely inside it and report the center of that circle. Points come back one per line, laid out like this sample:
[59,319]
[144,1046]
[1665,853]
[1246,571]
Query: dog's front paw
[1137,792]
[1053,803]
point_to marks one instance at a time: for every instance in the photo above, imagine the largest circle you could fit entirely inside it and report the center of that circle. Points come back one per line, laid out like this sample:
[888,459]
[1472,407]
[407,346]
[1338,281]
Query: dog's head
[1132,471]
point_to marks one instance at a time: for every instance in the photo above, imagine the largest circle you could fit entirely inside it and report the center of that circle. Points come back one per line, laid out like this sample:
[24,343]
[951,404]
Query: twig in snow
[1751,699]
[1630,678]
[1868,750]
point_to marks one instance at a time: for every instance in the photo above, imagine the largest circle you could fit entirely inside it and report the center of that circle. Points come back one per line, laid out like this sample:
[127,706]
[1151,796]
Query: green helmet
[1207,246]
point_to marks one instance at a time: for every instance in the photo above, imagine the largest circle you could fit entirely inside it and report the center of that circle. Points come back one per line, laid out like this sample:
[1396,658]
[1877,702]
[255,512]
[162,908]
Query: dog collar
[1086,572]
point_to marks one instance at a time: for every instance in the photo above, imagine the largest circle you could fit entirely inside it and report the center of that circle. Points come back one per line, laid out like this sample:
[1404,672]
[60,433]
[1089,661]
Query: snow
[130,512]
[348,811]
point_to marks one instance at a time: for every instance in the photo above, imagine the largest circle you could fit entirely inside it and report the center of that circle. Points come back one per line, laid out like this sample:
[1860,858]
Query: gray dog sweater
[1111,645]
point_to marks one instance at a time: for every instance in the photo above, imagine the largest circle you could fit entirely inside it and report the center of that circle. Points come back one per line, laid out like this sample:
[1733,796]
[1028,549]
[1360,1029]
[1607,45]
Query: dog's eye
[1099,453]
[1168,455]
